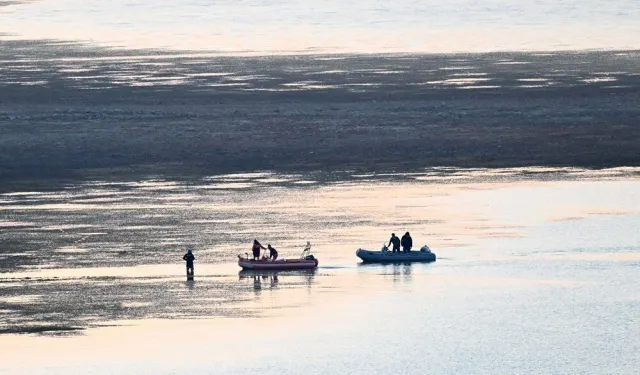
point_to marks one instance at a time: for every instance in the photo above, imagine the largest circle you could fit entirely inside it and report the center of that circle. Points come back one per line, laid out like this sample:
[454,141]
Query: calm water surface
[535,275]
[536,270]
[260,26]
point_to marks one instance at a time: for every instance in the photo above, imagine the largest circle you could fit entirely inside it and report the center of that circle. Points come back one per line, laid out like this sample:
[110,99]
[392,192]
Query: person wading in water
[189,258]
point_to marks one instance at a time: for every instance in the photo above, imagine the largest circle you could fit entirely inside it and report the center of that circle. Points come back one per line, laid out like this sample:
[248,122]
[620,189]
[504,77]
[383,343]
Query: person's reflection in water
[406,271]
[257,285]
[396,273]
[260,279]
[401,272]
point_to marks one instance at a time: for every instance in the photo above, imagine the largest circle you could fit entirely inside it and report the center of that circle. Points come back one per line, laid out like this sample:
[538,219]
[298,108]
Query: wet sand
[70,113]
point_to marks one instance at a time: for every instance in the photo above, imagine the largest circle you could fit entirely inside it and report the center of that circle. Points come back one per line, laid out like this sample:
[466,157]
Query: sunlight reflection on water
[525,255]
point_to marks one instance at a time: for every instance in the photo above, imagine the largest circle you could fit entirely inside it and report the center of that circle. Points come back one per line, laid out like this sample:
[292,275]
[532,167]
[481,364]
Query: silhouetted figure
[189,258]
[273,253]
[406,242]
[396,243]
[256,249]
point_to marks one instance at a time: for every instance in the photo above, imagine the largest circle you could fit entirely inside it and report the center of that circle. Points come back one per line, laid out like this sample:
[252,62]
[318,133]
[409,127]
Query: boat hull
[370,256]
[277,265]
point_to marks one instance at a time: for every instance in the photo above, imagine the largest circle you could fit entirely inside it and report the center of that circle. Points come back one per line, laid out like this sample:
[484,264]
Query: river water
[535,274]
[259,26]
[537,267]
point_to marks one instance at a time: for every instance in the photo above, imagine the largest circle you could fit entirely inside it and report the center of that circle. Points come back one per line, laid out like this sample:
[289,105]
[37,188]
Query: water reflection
[112,276]
[271,279]
[190,284]
[400,272]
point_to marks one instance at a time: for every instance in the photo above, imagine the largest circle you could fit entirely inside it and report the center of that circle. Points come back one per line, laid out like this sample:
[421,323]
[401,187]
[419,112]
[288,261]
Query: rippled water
[537,267]
[535,274]
[330,26]
[58,65]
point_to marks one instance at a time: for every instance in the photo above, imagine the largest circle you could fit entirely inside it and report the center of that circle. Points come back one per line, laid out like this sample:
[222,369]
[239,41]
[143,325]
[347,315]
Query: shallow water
[536,267]
[258,26]
[535,274]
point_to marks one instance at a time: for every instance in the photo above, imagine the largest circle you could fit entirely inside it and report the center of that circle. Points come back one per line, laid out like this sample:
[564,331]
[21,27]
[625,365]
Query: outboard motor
[425,249]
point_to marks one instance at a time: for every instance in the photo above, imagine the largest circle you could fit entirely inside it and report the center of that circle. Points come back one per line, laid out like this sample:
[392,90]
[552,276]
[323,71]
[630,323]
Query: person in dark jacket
[189,257]
[256,249]
[396,243]
[273,253]
[406,242]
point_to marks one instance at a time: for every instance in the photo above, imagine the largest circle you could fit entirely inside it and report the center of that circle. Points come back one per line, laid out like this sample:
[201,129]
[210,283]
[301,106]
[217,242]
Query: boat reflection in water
[270,279]
[398,272]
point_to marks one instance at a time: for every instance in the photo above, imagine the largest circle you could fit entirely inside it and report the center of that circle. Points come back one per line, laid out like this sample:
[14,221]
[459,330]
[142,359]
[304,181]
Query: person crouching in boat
[396,243]
[273,253]
[256,249]
[189,257]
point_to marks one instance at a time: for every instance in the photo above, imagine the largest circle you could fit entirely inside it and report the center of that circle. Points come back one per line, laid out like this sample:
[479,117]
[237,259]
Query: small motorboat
[305,262]
[386,256]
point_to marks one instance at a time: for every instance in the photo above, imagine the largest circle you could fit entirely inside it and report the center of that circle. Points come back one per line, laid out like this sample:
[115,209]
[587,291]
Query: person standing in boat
[256,249]
[406,242]
[189,257]
[273,253]
[396,243]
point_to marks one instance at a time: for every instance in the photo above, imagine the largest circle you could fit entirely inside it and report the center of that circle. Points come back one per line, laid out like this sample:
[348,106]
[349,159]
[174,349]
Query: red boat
[305,262]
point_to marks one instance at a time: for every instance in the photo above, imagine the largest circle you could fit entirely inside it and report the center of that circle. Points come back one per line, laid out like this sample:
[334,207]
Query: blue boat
[386,256]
